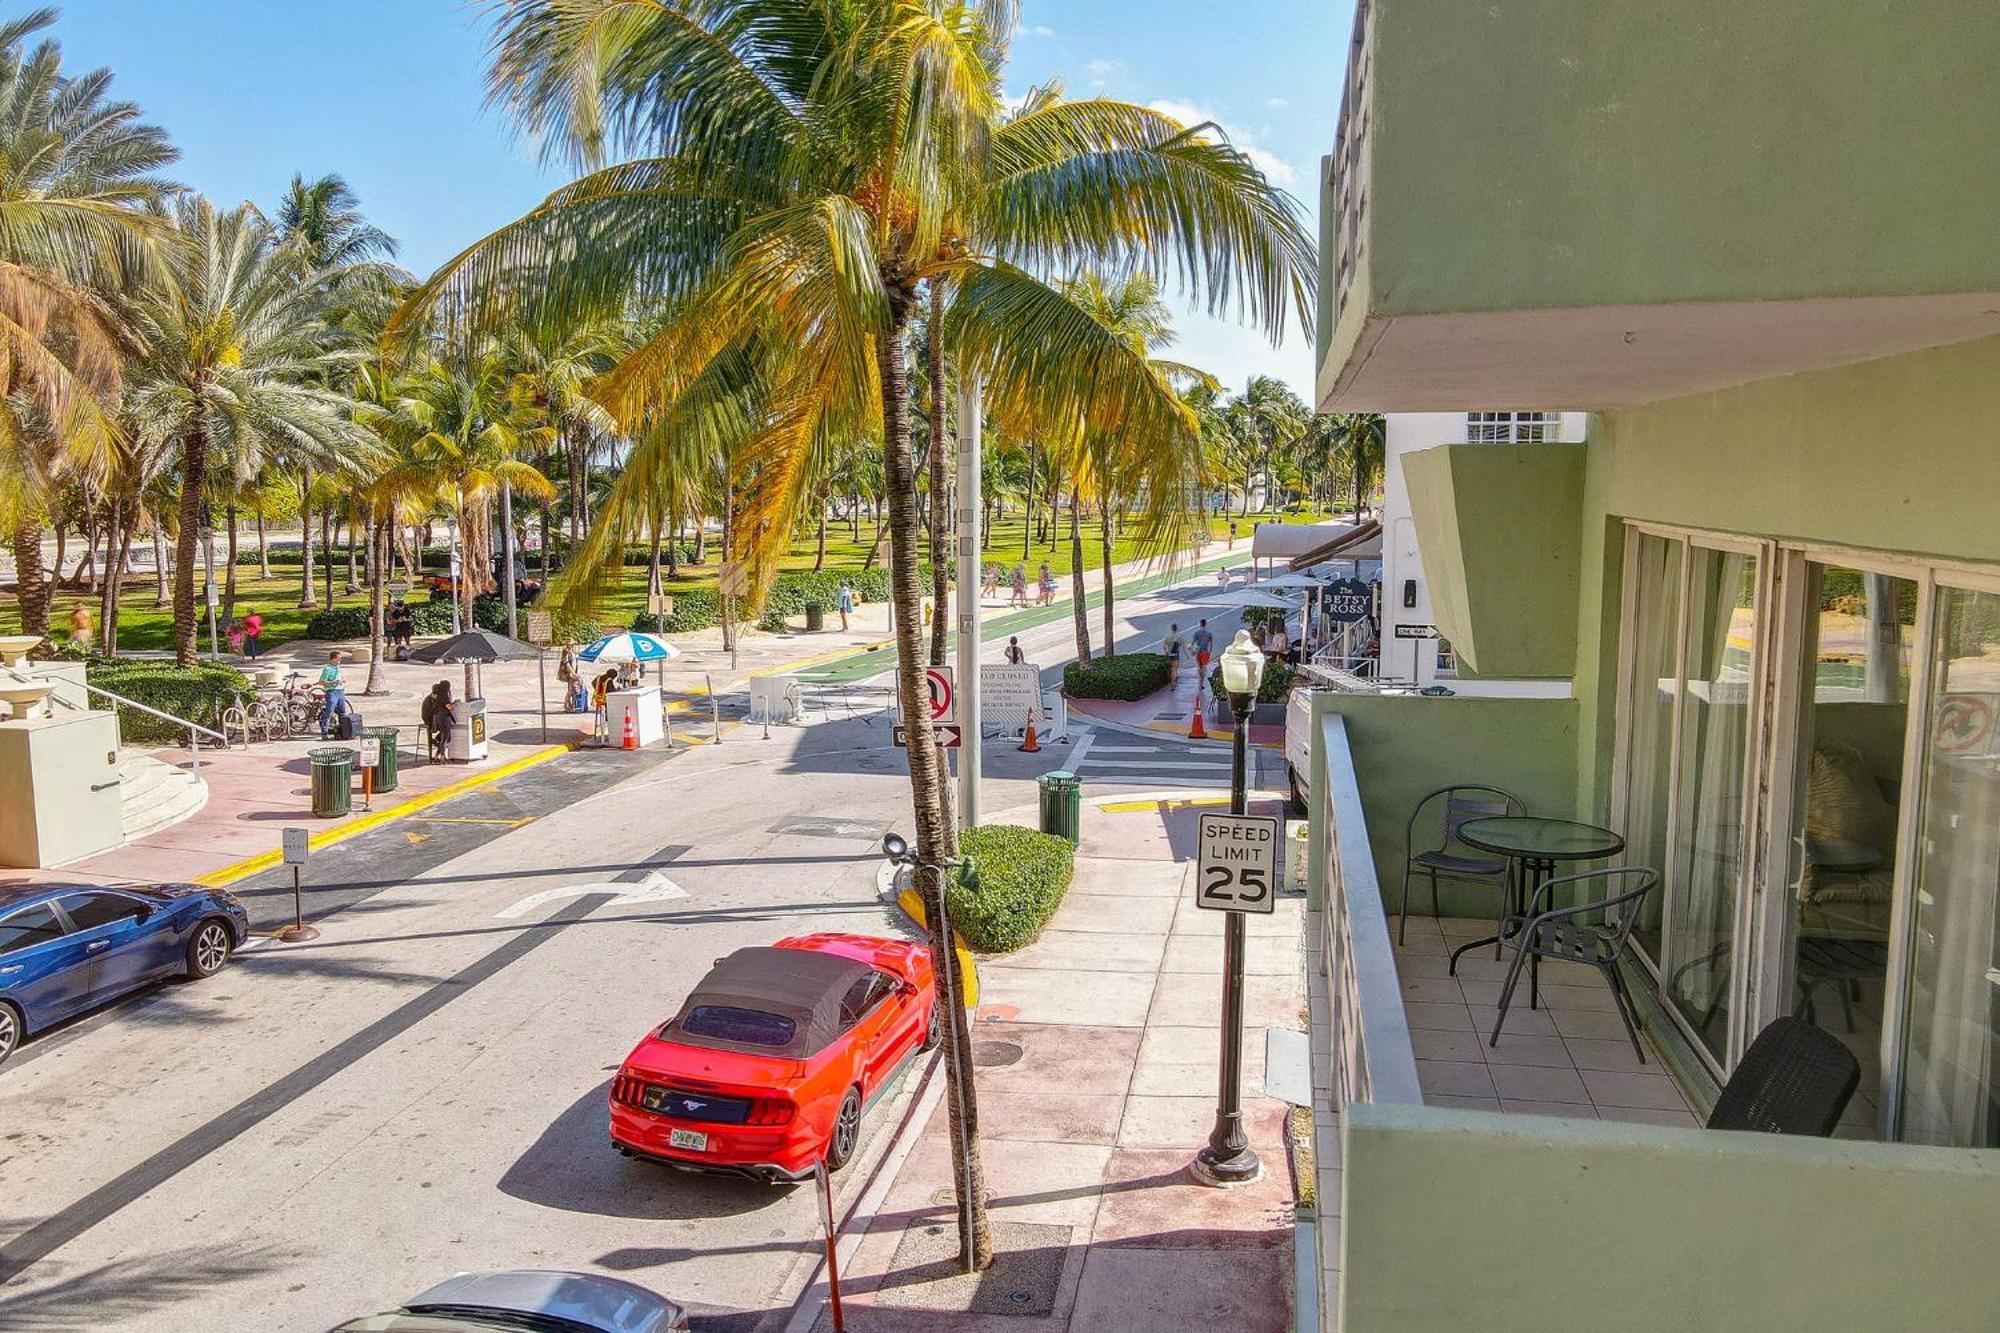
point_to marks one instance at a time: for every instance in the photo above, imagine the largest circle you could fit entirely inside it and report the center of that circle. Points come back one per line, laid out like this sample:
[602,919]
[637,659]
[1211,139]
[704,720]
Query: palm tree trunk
[653,552]
[1104,520]
[86,568]
[927,792]
[378,601]
[508,592]
[819,552]
[1078,610]
[30,578]
[308,600]
[545,544]
[326,550]
[263,551]
[107,605]
[62,553]
[229,574]
[194,478]
[353,560]
[127,514]
[940,478]
[1028,510]
[161,597]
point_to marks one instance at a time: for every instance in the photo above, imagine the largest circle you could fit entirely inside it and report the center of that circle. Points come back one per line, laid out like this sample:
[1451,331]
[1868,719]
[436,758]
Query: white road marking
[654,888]
[1082,748]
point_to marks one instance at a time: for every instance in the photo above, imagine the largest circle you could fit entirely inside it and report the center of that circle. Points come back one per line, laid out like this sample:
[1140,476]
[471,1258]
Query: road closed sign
[1010,695]
[1237,868]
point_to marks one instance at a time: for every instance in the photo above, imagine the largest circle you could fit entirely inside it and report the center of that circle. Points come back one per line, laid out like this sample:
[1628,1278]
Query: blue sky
[388,93]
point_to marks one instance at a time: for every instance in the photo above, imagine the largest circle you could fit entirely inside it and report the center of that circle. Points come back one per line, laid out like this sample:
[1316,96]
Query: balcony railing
[1372,1056]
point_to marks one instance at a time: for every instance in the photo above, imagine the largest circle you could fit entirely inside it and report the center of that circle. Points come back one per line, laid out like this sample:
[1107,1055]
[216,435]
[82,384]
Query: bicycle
[296,706]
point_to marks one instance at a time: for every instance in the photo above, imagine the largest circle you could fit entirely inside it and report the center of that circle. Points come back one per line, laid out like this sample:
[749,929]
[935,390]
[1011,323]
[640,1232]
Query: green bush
[1023,875]
[340,622]
[198,693]
[694,609]
[1272,689]
[1126,676]
[790,593]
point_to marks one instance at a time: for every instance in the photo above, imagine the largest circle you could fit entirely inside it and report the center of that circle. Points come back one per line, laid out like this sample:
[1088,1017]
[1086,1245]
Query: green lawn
[145,627]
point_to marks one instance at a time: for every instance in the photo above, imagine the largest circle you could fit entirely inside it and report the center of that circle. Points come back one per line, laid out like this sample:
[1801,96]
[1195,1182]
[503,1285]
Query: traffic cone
[631,730]
[1197,732]
[1029,745]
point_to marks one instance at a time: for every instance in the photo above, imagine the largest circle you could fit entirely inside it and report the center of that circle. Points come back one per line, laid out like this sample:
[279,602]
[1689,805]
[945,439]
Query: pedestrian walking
[567,672]
[1019,593]
[437,718]
[845,603]
[1015,657]
[335,701]
[1047,585]
[253,633]
[234,635]
[989,580]
[600,691]
[82,630]
[1203,643]
[1170,645]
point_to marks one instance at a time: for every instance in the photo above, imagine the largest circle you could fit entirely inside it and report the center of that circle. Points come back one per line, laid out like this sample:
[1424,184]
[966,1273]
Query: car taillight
[769,1111]
[627,1091]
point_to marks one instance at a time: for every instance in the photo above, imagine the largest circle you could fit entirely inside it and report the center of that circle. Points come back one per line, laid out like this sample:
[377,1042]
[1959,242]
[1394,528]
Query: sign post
[296,845]
[541,630]
[732,580]
[832,1246]
[369,752]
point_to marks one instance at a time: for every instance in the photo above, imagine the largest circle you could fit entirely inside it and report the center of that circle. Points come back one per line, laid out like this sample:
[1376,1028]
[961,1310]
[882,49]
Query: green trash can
[1062,804]
[385,764]
[332,781]
[815,617]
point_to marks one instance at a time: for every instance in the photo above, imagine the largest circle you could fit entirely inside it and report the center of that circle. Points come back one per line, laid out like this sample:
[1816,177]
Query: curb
[252,865]
[812,1297]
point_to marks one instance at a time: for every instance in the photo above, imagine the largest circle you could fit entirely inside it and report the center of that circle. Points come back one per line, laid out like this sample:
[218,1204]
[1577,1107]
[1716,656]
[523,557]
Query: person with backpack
[335,694]
[437,718]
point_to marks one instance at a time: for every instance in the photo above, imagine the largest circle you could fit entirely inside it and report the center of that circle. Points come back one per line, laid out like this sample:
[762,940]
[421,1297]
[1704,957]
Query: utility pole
[970,744]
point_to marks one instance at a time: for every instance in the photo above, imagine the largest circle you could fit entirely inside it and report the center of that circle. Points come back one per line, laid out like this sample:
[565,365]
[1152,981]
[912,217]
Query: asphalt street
[328,1127]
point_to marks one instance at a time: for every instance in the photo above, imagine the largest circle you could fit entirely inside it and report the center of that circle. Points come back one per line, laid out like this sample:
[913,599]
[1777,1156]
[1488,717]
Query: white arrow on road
[654,888]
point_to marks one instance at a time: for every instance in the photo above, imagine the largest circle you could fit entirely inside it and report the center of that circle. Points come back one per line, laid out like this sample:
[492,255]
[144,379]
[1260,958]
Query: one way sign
[946,734]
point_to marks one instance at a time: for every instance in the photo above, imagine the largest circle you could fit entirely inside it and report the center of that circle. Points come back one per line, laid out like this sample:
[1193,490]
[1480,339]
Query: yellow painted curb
[1130,807]
[243,869]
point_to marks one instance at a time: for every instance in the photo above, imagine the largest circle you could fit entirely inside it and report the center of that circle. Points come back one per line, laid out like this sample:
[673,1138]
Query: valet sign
[1237,868]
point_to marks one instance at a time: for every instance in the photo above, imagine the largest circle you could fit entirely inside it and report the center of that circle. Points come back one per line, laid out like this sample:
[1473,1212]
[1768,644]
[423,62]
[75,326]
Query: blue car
[65,948]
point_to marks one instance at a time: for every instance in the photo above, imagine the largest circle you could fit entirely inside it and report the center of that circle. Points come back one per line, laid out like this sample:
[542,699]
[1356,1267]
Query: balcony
[1602,203]
[1546,1183]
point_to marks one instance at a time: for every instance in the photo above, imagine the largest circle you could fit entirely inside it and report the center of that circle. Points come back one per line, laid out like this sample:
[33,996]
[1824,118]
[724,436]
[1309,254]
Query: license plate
[691,1139]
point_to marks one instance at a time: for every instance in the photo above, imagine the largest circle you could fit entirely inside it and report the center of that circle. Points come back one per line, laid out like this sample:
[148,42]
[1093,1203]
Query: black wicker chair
[1794,1079]
[1463,803]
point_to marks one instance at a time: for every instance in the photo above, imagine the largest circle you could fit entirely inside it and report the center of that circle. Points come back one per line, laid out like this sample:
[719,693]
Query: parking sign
[1237,868]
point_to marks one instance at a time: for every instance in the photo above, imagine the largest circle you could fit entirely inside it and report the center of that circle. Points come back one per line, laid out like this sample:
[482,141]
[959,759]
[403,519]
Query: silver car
[529,1301]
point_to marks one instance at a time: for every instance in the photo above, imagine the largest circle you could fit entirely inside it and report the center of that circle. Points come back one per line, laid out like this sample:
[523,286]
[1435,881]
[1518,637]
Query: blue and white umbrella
[629,646]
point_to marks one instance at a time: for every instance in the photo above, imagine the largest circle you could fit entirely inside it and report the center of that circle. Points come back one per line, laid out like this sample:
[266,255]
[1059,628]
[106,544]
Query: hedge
[790,593]
[1126,676]
[1023,875]
[199,693]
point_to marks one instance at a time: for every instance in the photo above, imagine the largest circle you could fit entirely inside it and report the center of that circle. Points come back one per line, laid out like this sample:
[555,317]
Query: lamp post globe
[1242,672]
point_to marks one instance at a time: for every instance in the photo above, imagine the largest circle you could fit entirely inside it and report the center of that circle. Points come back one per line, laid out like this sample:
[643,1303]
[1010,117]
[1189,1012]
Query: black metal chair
[1595,932]
[1463,803]
[1795,1079]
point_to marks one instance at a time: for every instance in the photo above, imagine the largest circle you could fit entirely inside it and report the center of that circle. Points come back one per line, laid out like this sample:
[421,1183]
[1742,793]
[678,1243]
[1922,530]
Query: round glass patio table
[1533,846]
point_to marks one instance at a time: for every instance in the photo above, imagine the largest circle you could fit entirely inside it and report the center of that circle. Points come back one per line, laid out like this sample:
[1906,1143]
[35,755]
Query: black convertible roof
[803,985]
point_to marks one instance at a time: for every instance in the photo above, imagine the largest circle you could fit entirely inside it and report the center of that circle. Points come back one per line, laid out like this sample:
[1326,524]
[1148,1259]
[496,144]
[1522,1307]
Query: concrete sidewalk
[1097,1051]
[1170,712]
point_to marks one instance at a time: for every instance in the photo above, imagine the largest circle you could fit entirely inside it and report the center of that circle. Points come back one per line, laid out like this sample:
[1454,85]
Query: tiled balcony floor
[1569,1058]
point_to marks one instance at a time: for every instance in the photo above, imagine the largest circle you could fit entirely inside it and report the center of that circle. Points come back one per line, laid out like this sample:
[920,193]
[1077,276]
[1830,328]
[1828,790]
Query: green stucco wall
[1900,455]
[1462,1220]
[1778,149]
[1497,530]
[1405,746]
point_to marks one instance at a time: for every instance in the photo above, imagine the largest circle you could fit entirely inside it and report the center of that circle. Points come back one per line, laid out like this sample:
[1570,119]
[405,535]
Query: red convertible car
[766,1069]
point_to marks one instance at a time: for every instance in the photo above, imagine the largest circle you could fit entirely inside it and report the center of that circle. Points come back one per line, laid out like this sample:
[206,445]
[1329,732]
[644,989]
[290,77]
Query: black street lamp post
[1228,1159]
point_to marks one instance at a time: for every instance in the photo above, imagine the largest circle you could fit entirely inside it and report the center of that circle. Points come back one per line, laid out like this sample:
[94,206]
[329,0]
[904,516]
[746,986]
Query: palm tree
[237,352]
[322,223]
[1269,415]
[77,171]
[1363,437]
[803,170]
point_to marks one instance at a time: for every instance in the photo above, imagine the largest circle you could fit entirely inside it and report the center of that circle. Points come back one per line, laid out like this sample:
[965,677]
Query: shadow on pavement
[98,1298]
[571,1166]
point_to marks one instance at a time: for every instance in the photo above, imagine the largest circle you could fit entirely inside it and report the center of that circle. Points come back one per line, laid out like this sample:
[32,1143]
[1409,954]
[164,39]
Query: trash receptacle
[385,763]
[332,780]
[815,617]
[1062,804]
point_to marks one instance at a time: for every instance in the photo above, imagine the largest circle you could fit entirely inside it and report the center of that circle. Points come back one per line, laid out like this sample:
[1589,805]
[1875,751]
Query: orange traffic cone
[1029,745]
[1197,732]
[631,730]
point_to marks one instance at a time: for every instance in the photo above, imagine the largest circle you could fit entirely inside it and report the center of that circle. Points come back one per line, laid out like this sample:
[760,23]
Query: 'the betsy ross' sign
[1237,867]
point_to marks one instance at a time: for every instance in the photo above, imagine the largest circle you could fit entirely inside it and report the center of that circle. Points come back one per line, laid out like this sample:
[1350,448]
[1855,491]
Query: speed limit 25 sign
[1237,869]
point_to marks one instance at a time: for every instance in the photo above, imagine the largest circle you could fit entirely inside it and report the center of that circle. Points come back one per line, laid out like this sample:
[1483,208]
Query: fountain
[25,700]
[14,648]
